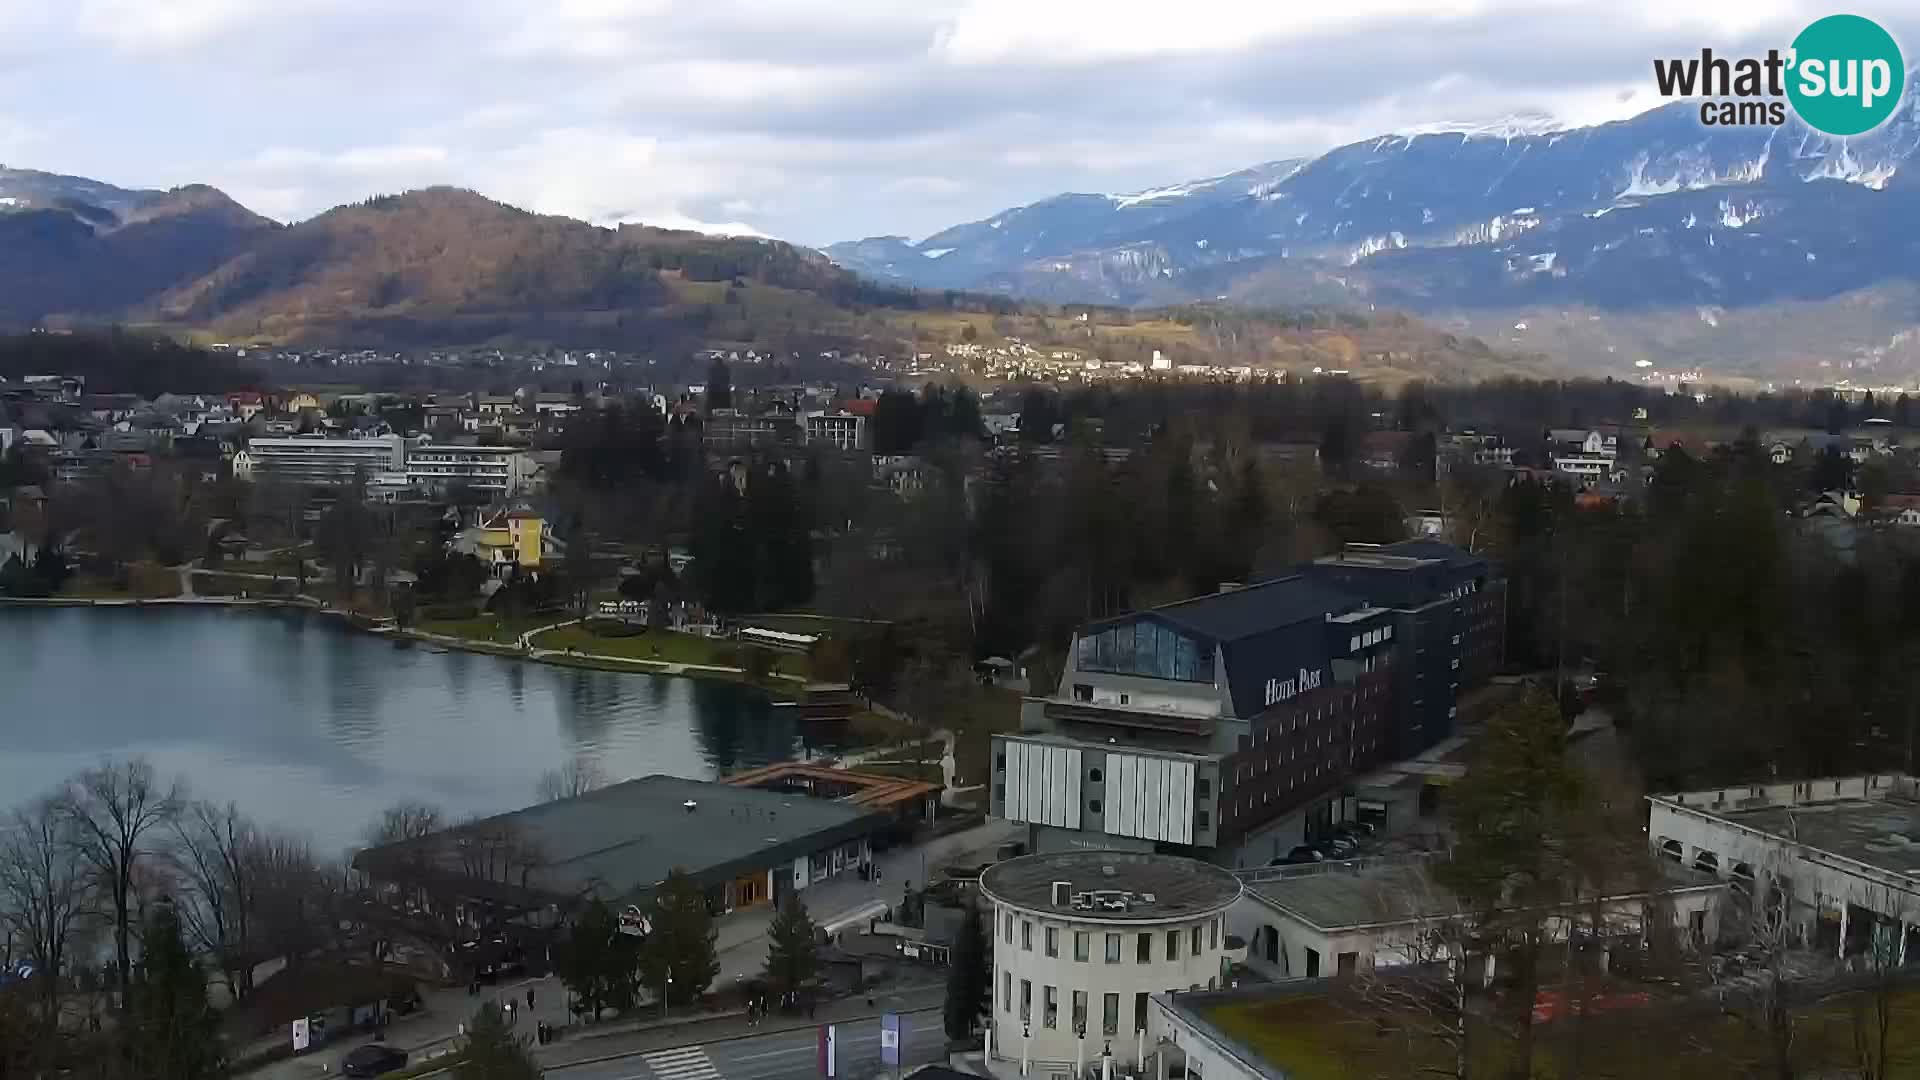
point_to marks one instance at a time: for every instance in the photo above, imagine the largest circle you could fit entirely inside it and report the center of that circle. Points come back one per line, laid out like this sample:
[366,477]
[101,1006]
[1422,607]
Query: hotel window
[1113,948]
[1080,946]
[1053,941]
[1009,928]
[1026,935]
[1196,941]
[1079,1011]
[1173,945]
[1140,1011]
[1110,1014]
[1006,991]
[1026,999]
[1144,953]
[1213,934]
[1049,1006]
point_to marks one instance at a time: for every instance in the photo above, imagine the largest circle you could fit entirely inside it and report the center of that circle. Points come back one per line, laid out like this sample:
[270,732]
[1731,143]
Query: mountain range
[1649,242]
[448,267]
[1652,246]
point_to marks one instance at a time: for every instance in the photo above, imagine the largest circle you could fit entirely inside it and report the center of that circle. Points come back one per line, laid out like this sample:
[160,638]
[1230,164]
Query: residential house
[246,404]
[509,541]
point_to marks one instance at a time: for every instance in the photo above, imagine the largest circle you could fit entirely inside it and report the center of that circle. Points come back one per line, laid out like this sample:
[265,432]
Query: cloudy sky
[811,120]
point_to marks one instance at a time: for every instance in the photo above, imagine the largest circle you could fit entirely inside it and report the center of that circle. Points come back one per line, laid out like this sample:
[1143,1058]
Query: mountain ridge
[1633,219]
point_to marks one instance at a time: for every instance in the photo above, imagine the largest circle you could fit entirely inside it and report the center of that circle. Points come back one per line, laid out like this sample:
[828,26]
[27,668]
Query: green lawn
[493,628]
[1314,1036]
[218,584]
[989,711]
[664,646]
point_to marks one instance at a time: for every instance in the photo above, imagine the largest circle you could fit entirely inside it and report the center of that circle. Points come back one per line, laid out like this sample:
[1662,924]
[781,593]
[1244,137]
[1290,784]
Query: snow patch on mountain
[1689,172]
[1849,169]
[1490,232]
[1543,262]
[1175,191]
[1373,245]
[935,253]
[1737,216]
[1507,128]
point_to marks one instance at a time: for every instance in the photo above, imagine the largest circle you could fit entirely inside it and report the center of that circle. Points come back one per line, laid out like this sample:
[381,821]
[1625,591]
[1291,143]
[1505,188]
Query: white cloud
[151,26]
[807,119]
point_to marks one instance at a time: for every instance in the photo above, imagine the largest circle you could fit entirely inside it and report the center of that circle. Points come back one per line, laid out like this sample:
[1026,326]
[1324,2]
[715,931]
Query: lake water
[311,726]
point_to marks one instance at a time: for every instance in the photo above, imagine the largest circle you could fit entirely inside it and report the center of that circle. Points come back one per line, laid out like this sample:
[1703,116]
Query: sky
[809,120]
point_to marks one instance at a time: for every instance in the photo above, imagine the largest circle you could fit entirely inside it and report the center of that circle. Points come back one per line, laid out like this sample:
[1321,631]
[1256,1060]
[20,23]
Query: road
[786,1055]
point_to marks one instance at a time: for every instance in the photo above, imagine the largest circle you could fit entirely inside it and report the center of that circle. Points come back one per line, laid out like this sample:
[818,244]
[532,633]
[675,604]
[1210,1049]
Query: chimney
[1062,893]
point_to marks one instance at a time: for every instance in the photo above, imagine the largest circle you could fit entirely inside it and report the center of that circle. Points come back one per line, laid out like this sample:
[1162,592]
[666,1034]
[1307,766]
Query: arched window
[1707,863]
[1671,849]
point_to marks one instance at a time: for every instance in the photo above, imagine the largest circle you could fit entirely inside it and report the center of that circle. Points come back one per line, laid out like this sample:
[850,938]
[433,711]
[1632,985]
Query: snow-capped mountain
[1065,225]
[1646,212]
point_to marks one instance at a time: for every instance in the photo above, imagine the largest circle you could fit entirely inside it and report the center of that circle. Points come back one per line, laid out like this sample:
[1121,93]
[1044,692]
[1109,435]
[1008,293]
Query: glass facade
[1147,649]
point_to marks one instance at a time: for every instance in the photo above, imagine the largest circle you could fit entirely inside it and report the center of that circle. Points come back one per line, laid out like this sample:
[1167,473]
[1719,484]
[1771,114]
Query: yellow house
[516,538]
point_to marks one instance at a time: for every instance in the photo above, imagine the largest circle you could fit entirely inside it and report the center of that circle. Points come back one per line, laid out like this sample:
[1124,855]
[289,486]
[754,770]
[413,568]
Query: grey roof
[1455,557]
[1181,888]
[1256,609]
[622,840]
[1335,898]
[1882,832]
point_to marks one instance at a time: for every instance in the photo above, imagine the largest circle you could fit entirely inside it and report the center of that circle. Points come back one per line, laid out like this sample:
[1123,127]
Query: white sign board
[302,1034]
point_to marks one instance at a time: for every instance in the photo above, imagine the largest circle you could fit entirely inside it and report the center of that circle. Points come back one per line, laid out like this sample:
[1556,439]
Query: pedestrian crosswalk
[686,1063]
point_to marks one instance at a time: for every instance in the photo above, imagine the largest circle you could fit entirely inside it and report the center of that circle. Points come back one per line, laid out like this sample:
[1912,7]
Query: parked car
[373,1059]
[1305,853]
[1341,846]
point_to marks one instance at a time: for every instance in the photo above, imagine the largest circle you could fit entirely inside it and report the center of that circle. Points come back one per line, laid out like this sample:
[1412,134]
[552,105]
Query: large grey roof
[1882,832]
[1256,609]
[622,840]
[1181,888]
[1423,548]
[1335,897]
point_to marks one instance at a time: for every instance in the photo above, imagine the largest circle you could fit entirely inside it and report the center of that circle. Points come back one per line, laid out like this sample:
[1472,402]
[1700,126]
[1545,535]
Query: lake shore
[553,657]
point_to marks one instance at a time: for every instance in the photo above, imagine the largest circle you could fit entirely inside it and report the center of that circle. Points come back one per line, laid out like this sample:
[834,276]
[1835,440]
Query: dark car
[1305,853]
[373,1059]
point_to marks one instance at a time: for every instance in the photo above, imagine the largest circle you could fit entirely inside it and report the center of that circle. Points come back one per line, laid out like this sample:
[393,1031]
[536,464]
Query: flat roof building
[745,846]
[1333,919]
[1082,940]
[320,461]
[1838,856]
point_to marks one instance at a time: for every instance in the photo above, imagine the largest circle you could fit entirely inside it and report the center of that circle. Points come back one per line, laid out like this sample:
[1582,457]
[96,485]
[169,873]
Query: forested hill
[449,267]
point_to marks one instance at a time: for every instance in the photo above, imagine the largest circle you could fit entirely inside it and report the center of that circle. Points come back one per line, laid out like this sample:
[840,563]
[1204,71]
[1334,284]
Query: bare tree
[1766,998]
[405,821]
[43,894]
[574,778]
[1873,1004]
[113,811]
[216,852]
[495,850]
[1423,976]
